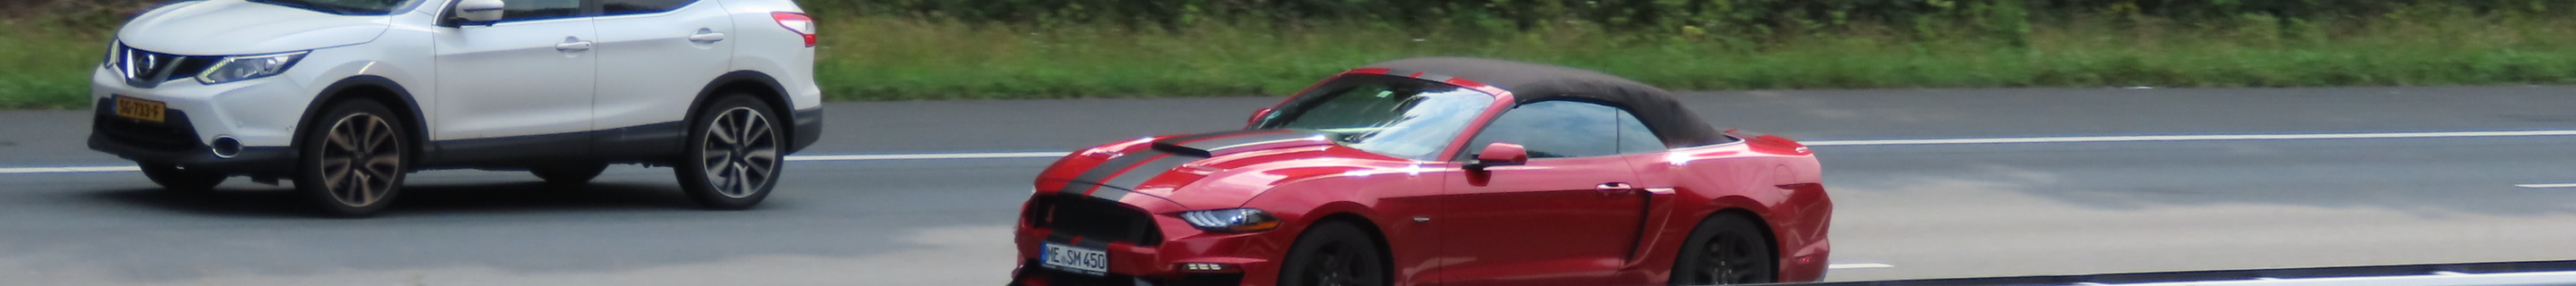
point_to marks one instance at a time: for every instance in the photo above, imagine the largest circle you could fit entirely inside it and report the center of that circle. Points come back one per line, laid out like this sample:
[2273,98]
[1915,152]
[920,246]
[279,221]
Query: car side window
[624,7]
[522,10]
[1554,129]
[1635,138]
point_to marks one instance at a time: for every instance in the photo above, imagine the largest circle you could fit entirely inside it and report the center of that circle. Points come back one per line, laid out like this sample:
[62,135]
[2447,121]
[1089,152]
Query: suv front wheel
[733,153]
[353,160]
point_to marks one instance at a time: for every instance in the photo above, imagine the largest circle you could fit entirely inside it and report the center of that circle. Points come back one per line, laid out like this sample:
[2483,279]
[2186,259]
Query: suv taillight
[796,22]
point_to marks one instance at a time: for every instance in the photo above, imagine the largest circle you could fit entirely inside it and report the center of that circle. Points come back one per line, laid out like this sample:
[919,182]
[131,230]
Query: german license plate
[1075,259]
[139,109]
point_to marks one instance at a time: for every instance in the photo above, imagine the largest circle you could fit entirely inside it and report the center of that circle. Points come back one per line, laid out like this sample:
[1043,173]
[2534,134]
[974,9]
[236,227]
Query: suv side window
[1554,129]
[522,10]
[623,7]
[1635,138]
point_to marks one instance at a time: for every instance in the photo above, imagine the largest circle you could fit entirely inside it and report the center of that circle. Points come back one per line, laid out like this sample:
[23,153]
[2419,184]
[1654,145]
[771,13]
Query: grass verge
[44,66]
[902,58]
[909,59]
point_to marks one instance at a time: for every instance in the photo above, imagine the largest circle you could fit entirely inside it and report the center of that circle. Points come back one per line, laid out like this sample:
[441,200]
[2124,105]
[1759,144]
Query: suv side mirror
[1256,117]
[1500,154]
[482,12]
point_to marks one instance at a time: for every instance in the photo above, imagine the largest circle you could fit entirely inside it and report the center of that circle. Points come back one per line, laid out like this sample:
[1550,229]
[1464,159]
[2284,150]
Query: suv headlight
[1231,220]
[238,68]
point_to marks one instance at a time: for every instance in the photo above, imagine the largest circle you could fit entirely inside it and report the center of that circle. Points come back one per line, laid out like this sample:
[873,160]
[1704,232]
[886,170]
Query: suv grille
[147,69]
[174,133]
[1094,218]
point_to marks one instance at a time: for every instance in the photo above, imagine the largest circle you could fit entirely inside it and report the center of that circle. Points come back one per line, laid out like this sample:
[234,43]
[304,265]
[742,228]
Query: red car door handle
[1613,189]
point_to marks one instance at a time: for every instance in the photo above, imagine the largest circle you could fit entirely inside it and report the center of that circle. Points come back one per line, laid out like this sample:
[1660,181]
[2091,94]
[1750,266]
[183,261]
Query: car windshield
[1413,120]
[344,7]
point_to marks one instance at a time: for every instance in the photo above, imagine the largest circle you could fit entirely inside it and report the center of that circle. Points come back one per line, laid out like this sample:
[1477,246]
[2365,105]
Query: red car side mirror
[1500,154]
[1256,118]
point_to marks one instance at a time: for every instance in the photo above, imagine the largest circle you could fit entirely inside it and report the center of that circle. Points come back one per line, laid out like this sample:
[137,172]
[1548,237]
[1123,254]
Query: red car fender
[1296,219]
[1296,203]
[1298,213]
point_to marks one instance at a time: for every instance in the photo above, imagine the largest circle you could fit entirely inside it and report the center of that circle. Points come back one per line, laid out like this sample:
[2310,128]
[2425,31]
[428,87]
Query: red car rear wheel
[1725,249]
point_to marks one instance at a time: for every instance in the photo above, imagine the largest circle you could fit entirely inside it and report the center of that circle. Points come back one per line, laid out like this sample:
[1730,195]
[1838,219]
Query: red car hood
[1199,171]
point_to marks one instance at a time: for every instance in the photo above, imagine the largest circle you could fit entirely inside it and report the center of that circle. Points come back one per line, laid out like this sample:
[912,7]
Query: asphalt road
[1928,210]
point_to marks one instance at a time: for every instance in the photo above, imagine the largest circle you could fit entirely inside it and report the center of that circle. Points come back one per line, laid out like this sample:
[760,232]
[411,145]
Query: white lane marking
[925,156]
[86,169]
[2546,186]
[2192,138]
[945,156]
[104,169]
[1859,266]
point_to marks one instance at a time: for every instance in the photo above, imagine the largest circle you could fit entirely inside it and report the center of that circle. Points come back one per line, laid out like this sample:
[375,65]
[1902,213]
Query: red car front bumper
[1145,257]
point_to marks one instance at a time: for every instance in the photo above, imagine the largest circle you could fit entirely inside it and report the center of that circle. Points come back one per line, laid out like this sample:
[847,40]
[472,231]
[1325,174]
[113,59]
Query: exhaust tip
[226,147]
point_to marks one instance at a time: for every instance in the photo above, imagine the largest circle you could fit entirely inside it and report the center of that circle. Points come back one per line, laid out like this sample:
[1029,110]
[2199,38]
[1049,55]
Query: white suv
[344,97]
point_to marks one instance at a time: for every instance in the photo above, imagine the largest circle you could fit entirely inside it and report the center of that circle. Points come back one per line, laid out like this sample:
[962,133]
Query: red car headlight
[1236,220]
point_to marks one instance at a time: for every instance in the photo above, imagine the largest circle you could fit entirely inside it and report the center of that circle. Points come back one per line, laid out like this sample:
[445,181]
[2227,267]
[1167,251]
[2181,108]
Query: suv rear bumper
[809,128]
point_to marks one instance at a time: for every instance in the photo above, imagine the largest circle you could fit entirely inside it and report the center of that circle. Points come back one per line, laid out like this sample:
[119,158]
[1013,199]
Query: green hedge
[1010,49]
[1639,12]
[1755,17]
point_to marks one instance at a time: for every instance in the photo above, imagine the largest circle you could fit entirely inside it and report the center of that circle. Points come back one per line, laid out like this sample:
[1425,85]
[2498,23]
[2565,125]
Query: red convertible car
[1436,171]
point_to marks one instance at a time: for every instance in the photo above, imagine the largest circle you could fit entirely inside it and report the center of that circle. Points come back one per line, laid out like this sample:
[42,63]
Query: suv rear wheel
[353,160]
[733,153]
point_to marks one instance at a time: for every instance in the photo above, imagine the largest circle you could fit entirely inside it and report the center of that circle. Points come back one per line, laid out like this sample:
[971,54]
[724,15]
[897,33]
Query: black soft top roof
[1531,82]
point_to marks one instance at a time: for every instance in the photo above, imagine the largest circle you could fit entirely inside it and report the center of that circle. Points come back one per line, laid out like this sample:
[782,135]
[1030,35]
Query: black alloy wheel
[734,154]
[1722,250]
[1334,254]
[173,178]
[353,160]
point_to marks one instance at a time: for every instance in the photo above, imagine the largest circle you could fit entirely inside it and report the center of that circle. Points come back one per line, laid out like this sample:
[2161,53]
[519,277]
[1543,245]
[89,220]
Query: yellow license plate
[138,109]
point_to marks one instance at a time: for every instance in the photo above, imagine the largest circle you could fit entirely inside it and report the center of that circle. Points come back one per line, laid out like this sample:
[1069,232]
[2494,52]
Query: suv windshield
[1399,117]
[345,7]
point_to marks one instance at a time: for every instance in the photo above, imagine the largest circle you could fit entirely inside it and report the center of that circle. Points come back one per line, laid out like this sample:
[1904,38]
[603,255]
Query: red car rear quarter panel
[1707,180]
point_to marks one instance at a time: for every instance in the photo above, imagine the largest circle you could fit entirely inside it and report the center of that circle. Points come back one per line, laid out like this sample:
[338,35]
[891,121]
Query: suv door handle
[572,44]
[707,36]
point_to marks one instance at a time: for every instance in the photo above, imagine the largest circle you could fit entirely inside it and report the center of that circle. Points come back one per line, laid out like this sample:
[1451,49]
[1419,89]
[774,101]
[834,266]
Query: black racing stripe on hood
[1112,193]
[1105,170]
[1119,176]
[1097,191]
[1148,170]
[1213,145]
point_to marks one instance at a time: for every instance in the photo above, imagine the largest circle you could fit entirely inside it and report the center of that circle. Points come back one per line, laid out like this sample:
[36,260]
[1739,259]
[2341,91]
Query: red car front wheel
[1334,254]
